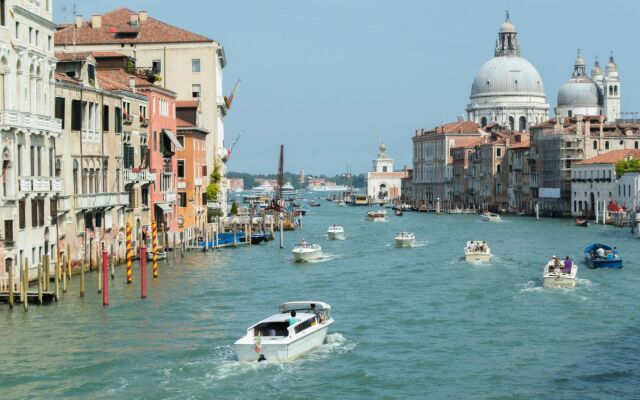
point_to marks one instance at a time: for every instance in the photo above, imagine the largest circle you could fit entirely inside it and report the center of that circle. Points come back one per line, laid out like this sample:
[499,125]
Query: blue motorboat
[597,255]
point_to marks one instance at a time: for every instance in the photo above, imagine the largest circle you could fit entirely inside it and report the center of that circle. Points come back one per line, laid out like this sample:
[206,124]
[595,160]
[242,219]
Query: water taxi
[477,250]
[304,251]
[405,239]
[298,328]
[556,276]
[335,232]
[598,255]
[582,222]
[377,216]
[490,217]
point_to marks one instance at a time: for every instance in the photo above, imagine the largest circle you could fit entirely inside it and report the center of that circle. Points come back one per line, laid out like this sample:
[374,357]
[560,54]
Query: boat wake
[334,344]
[325,257]
[420,243]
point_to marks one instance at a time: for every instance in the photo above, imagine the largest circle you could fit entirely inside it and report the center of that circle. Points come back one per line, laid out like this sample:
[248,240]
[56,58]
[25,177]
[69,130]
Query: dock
[32,297]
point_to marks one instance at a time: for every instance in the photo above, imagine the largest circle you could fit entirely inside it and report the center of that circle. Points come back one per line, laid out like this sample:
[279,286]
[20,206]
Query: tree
[213,188]
[234,208]
[624,166]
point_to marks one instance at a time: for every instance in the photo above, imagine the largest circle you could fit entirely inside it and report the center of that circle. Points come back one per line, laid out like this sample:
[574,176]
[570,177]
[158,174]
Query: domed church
[597,94]
[508,90]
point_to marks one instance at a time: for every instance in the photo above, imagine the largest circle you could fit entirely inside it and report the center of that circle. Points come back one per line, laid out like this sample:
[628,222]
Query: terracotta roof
[64,78]
[457,127]
[610,157]
[64,56]
[524,144]
[186,103]
[467,142]
[117,79]
[107,54]
[116,28]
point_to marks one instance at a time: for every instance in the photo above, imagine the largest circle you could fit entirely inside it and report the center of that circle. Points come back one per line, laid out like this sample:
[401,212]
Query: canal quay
[409,323]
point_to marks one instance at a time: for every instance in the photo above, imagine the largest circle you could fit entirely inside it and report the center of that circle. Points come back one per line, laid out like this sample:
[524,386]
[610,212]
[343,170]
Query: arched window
[18,86]
[522,124]
[512,123]
[75,177]
[570,113]
[635,144]
[610,90]
[483,121]
[105,176]
[606,145]
[3,69]
[6,173]
[595,145]
[499,168]
[615,90]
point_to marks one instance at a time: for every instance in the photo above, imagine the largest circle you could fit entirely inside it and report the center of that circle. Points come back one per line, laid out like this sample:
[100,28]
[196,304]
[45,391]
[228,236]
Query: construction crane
[280,177]
[227,153]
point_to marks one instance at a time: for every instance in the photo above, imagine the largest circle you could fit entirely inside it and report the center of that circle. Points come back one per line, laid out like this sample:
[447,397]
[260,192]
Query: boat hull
[335,235]
[307,255]
[558,282]
[281,351]
[477,257]
[601,264]
[404,242]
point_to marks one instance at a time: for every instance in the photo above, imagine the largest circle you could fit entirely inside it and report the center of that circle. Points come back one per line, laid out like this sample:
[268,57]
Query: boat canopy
[596,246]
[303,306]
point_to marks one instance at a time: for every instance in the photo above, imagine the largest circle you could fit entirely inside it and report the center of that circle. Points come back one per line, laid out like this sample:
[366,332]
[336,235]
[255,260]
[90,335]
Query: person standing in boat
[556,263]
[292,319]
[567,265]
[316,313]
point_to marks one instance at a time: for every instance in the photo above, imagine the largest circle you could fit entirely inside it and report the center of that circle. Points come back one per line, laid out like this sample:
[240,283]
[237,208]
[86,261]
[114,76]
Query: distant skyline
[330,78]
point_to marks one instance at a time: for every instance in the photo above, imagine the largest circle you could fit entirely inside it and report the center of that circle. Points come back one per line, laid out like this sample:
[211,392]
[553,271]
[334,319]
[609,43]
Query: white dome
[507,76]
[578,92]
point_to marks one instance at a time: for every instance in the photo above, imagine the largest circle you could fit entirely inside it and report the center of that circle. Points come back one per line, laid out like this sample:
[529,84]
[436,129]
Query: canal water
[410,323]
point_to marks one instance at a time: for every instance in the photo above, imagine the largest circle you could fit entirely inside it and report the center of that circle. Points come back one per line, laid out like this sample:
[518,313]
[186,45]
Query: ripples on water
[410,323]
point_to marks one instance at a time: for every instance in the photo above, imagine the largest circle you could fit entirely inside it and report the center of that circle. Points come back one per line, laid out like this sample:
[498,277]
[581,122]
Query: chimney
[134,20]
[132,83]
[78,21]
[96,21]
[143,15]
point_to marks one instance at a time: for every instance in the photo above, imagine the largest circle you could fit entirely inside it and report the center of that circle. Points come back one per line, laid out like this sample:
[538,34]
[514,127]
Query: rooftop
[611,157]
[118,26]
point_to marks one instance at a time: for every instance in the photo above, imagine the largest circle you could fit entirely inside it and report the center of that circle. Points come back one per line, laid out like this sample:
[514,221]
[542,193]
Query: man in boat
[317,313]
[556,263]
[567,265]
[600,252]
[292,319]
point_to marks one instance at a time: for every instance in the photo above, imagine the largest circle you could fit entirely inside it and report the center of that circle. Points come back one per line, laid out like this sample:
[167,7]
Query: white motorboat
[377,216]
[477,250]
[284,337]
[335,232]
[341,203]
[405,239]
[304,251]
[490,217]
[556,276]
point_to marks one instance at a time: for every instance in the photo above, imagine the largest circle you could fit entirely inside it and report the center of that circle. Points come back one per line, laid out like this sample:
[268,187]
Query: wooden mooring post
[25,284]
[39,283]
[11,286]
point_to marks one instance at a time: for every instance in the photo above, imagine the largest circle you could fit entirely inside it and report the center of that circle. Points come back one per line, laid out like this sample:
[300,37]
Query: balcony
[170,197]
[167,166]
[147,176]
[144,122]
[40,184]
[182,185]
[30,122]
[64,204]
[130,176]
[198,182]
[101,200]
[127,119]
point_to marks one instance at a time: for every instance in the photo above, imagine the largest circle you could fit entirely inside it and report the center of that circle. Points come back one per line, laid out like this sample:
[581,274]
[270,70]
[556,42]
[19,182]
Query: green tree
[624,166]
[234,208]
[213,188]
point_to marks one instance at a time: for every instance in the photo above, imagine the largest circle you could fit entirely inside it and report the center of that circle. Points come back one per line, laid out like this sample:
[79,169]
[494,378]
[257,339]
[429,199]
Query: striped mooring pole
[154,232]
[129,273]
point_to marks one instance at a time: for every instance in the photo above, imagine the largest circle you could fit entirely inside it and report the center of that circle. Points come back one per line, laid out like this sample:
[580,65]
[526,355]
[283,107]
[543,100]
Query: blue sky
[329,78]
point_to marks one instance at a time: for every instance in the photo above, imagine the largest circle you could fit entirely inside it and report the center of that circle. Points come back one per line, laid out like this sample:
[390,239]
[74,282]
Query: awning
[166,208]
[173,139]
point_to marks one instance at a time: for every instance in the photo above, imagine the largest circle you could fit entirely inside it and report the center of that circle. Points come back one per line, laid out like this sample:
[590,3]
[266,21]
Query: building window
[76,115]
[156,66]
[195,65]
[144,194]
[384,169]
[3,11]
[37,37]
[19,160]
[49,42]
[118,117]
[483,121]
[17,30]
[180,168]
[595,145]
[22,219]
[498,152]
[182,199]
[30,35]
[499,167]
[512,123]
[105,118]
[195,90]
[60,109]
[606,145]
[164,107]
[522,124]
[181,141]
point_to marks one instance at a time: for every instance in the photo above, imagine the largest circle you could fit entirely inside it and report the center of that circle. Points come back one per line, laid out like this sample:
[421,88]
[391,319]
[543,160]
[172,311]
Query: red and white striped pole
[105,276]
[143,269]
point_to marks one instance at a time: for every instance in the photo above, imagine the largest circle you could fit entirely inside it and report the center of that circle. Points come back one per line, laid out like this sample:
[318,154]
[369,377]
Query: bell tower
[611,91]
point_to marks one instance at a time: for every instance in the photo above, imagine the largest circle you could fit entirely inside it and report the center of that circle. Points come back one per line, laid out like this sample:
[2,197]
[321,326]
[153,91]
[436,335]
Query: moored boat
[598,255]
[380,215]
[298,328]
[335,232]
[399,213]
[304,251]
[556,275]
[582,222]
[257,238]
[490,217]
[405,239]
[477,250]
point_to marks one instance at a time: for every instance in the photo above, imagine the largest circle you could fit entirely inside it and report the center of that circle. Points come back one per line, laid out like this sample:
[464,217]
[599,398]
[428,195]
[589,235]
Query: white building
[594,180]
[508,90]
[597,94]
[627,191]
[28,132]
[383,184]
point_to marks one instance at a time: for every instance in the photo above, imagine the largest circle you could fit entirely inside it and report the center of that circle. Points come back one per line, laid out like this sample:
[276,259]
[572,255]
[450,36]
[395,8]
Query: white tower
[383,163]
[611,91]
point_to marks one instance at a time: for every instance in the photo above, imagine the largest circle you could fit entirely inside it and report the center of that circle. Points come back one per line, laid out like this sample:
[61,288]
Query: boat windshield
[271,329]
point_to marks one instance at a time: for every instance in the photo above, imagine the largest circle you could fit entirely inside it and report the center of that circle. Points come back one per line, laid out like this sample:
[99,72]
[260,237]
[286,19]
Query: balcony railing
[31,121]
[147,176]
[144,122]
[127,119]
[198,181]
[182,185]
[170,196]
[40,184]
[101,200]
[64,204]
[130,175]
